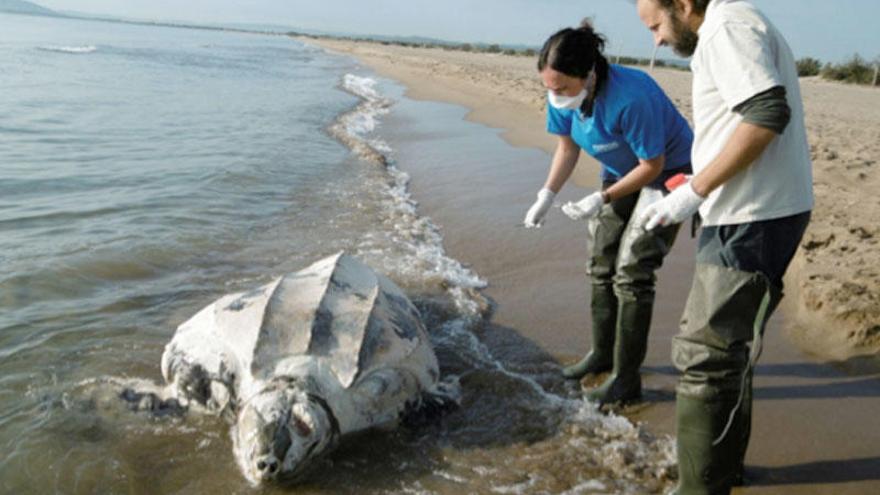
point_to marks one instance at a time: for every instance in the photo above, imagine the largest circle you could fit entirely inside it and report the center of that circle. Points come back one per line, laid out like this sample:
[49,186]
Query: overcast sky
[830,30]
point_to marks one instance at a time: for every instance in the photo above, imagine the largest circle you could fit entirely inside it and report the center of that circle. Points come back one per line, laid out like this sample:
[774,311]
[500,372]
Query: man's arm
[767,109]
[765,115]
[746,144]
[742,149]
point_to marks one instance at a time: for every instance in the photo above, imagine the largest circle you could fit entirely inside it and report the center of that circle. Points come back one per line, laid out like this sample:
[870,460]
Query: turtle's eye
[302,428]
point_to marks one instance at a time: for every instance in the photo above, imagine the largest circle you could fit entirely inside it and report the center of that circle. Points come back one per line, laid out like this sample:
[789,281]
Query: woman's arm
[564,160]
[640,176]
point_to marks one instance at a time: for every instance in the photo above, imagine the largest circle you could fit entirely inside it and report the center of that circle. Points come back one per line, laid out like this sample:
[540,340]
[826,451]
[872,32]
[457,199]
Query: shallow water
[145,171]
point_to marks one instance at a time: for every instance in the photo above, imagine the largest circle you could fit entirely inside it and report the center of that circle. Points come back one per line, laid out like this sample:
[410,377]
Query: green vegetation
[855,70]
[808,66]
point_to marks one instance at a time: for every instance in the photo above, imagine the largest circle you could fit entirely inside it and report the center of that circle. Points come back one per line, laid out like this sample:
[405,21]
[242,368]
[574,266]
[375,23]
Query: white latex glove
[585,208]
[535,215]
[676,207]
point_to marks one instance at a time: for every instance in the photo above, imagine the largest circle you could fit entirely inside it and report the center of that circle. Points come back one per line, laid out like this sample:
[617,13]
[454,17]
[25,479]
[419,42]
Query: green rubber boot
[600,358]
[631,343]
[704,468]
[591,364]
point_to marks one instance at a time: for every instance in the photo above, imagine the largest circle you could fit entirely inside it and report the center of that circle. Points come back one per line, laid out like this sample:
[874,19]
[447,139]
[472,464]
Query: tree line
[856,70]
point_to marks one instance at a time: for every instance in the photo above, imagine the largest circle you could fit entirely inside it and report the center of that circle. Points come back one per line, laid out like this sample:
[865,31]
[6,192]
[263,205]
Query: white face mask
[566,102]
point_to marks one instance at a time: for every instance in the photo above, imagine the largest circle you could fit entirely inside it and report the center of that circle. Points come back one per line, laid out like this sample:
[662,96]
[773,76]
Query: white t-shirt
[740,54]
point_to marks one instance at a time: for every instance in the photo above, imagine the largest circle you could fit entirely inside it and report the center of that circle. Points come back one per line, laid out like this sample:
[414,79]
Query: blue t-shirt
[632,119]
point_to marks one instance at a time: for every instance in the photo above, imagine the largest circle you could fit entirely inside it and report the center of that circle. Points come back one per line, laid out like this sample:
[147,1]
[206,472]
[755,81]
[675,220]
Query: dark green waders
[716,350]
[624,259]
[603,236]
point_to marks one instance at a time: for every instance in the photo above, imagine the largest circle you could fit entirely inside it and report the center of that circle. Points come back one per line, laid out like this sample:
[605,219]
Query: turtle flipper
[193,383]
[432,404]
[151,402]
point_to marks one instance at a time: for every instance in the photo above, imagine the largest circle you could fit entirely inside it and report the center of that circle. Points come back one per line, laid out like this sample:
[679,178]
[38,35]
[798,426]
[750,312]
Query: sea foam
[70,49]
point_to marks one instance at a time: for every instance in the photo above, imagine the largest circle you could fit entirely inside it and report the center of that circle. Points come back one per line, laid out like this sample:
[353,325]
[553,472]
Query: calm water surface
[144,172]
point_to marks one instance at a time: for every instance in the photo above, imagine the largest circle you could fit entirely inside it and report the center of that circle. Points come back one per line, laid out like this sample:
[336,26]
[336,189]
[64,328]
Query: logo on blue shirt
[605,147]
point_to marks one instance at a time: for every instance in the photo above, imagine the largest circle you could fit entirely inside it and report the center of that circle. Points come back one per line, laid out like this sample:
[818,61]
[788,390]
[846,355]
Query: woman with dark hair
[622,118]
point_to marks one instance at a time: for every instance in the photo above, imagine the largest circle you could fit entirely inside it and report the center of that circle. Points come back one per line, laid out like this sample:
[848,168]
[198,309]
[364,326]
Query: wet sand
[815,425]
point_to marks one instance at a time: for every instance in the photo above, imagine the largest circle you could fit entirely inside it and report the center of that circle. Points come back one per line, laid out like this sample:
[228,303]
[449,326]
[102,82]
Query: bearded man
[753,189]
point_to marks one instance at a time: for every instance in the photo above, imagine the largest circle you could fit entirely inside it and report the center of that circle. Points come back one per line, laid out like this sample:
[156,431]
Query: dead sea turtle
[329,350]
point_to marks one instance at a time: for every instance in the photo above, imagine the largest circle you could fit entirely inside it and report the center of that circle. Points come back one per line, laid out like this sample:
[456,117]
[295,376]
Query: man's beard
[685,43]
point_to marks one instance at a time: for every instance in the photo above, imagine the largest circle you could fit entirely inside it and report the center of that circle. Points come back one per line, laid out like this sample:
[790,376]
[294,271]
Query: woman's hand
[585,208]
[535,215]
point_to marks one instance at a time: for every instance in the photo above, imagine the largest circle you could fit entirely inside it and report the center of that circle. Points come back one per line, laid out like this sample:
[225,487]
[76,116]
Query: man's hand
[676,207]
[535,215]
[585,208]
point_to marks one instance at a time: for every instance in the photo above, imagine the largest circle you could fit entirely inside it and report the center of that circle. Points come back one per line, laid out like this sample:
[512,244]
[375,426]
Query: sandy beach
[834,276]
[817,390]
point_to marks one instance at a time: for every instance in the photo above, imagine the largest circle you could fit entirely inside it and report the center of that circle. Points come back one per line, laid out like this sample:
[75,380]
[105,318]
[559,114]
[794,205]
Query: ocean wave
[420,238]
[352,128]
[69,49]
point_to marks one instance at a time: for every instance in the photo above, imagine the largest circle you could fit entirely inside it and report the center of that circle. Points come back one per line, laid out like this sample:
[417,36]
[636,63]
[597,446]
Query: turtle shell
[337,309]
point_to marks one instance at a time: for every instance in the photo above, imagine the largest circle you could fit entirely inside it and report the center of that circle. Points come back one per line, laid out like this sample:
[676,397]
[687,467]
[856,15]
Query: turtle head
[278,432]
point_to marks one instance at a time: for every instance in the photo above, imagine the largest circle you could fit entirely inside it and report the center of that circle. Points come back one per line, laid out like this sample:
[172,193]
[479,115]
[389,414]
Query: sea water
[146,171]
